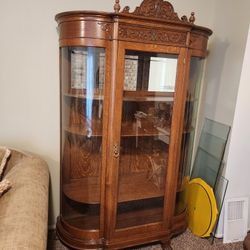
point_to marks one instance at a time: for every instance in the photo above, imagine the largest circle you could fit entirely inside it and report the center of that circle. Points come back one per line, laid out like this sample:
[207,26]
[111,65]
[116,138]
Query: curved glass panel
[82,84]
[191,109]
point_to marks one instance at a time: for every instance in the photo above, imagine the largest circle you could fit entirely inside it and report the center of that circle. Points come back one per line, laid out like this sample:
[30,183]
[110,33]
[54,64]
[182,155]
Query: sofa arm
[24,208]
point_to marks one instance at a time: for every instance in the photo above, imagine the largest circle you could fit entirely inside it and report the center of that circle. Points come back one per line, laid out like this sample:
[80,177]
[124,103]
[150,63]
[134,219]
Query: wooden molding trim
[149,35]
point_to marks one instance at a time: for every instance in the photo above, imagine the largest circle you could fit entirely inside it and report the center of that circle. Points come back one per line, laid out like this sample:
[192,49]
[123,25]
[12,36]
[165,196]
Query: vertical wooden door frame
[177,129]
[105,126]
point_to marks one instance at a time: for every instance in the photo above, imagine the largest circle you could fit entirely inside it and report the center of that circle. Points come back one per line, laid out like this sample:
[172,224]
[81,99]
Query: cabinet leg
[165,245]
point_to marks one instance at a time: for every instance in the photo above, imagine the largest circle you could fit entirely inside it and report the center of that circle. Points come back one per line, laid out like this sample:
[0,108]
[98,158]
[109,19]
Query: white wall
[29,75]
[238,165]
[227,46]
[222,78]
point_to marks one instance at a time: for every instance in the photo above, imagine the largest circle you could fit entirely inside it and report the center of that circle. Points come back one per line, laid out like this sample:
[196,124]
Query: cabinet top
[153,22]
[150,11]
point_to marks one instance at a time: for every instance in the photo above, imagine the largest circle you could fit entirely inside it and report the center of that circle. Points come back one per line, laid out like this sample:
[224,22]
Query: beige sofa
[24,208]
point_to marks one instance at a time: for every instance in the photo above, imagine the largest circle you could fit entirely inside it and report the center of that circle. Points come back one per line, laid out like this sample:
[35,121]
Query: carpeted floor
[186,241]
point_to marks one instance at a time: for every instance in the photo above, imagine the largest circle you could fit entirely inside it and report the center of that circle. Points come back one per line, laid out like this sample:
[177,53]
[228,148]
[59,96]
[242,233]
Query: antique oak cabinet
[129,95]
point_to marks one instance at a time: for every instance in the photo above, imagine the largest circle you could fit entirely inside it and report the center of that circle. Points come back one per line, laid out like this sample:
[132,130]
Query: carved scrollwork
[107,27]
[156,9]
[152,35]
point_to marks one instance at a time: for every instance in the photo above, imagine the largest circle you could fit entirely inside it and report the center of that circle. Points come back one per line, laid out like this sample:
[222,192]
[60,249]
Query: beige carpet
[185,241]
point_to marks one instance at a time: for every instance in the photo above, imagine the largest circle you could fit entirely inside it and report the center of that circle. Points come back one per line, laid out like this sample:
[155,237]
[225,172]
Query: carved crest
[155,8]
[158,9]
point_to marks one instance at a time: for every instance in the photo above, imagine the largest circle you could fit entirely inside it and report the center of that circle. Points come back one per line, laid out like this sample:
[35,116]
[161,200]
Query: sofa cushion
[4,186]
[24,208]
[4,154]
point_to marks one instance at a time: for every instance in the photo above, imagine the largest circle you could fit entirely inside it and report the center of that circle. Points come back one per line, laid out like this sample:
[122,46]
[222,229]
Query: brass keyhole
[116,151]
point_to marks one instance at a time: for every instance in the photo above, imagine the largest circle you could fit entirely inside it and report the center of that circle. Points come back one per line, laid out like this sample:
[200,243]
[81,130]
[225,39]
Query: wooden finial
[192,18]
[117,6]
[126,10]
[184,18]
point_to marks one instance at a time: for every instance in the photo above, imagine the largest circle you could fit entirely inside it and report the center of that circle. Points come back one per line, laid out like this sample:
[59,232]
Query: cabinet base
[78,239]
[166,245]
[71,241]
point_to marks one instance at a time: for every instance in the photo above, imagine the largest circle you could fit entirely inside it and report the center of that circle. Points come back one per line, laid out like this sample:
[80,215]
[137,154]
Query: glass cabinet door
[147,105]
[82,88]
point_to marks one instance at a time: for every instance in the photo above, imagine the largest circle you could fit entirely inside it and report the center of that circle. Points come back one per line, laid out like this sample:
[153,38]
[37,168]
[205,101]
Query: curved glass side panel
[191,110]
[82,84]
[148,94]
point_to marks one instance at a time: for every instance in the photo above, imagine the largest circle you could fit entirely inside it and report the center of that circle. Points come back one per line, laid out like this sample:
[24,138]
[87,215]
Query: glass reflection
[149,71]
[82,80]
[162,74]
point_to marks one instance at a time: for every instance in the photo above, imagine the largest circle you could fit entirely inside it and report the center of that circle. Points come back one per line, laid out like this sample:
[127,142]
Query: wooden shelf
[84,96]
[128,130]
[132,96]
[132,187]
[148,99]
[137,187]
[135,96]
[148,96]
[84,190]
[140,217]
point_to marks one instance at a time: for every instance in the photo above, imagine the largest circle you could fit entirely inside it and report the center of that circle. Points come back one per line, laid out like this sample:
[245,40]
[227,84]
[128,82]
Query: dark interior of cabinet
[139,212]
[129,214]
[81,215]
